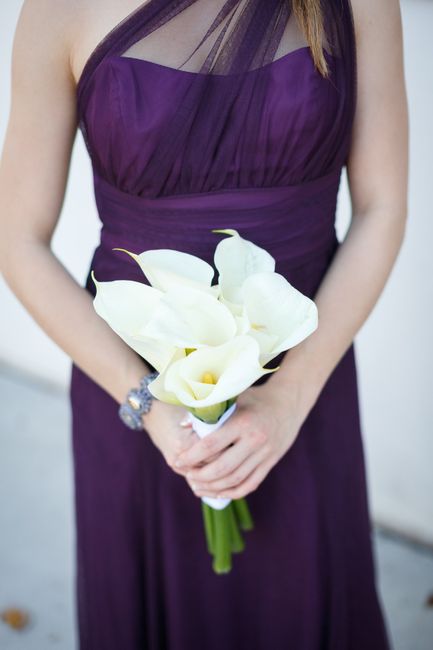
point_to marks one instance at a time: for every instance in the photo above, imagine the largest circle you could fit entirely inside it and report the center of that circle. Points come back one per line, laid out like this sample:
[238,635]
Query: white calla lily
[242,323]
[165,268]
[126,306]
[190,318]
[210,376]
[235,259]
[280,316]
[235,308]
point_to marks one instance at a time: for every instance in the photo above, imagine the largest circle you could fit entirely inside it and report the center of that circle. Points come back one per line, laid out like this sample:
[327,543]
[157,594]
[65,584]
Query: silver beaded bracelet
[138,401]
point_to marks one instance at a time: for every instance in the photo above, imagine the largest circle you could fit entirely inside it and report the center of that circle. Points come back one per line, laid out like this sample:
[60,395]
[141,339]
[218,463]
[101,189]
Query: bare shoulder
[42,120]
[379,43]
[374,19]
[93,20]
[378,160]
[44,30]
[67,30]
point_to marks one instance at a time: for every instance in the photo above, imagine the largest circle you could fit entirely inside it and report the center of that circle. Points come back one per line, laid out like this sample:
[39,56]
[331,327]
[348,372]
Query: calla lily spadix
[280,316]
[190,318]
[235,259]
[165,268]
[127,306]
[211,375]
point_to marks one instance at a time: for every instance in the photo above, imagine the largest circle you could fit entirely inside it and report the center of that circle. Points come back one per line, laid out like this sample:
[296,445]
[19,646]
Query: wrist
[128,375]
[299,377]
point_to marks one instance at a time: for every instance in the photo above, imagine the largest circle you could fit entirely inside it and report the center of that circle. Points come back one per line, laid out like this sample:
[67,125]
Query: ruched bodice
[249,135]
[132,101]
[155,130]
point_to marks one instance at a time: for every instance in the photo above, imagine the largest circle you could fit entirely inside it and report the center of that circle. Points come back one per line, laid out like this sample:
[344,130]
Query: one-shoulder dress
[202,114]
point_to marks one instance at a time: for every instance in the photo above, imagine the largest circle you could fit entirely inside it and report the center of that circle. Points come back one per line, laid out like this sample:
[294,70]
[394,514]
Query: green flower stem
[210,414]
[222,527]
[209,527]
[222,558]
[230,401]
[243,514]
[237,542]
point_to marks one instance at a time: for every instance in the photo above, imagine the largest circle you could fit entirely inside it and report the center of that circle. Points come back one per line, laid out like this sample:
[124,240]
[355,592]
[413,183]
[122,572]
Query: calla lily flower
[190,318]
[208,342]
[280,316]
[235,259]
[127,306]
[166,268]
[209,376]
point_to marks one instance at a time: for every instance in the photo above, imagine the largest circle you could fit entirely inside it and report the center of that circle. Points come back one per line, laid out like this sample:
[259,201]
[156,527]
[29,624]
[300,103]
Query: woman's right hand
[163,424]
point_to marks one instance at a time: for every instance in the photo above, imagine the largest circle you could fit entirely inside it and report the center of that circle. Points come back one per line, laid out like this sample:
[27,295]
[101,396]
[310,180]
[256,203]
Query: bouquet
[208,343]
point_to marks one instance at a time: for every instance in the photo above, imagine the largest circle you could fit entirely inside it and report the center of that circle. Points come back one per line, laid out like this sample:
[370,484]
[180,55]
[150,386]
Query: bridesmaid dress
[249,135]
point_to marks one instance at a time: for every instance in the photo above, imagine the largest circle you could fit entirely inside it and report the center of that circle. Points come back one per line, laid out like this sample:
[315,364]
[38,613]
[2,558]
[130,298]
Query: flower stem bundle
[223,532]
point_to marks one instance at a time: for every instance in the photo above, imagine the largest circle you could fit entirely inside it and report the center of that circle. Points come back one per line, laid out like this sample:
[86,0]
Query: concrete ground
[37,533]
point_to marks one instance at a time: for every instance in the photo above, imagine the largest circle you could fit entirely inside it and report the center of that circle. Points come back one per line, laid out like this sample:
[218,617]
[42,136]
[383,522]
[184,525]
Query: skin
[233,461]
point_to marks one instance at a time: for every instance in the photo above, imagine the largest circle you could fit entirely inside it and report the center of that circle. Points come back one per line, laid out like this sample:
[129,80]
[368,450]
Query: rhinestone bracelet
[138,401]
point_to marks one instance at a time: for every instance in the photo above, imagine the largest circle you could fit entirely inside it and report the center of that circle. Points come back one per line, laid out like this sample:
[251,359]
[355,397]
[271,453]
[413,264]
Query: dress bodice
[155,130]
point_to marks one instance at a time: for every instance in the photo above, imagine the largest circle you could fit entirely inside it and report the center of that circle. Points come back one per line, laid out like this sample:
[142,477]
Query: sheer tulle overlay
[202,114]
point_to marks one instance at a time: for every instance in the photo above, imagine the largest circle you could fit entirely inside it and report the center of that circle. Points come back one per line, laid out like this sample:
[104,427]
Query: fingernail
[178,463]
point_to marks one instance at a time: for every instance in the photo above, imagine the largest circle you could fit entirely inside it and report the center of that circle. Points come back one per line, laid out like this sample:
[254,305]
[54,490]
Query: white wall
[394,347]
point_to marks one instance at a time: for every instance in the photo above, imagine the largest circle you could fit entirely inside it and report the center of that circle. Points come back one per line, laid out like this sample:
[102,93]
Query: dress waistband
[293,222]
[226,199]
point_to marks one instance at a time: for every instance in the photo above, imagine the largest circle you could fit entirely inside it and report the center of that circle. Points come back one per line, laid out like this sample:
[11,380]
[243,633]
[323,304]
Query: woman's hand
[170,431]
[263,427]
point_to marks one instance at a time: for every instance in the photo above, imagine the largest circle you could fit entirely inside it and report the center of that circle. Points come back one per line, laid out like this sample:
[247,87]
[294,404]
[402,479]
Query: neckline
[130,60]
[101,51]
[168,68]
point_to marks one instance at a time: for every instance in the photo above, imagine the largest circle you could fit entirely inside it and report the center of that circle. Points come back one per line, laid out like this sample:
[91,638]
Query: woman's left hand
[263,427]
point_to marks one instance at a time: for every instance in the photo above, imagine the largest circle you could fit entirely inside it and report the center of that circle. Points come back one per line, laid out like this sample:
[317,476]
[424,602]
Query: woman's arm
[33,174]
[269,416]
[378,178]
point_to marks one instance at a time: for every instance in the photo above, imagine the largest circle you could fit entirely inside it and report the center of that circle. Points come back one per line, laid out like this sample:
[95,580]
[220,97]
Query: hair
[310,18]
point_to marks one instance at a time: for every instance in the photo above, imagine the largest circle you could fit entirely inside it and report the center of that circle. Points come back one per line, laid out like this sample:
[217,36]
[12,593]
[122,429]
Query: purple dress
[251,136]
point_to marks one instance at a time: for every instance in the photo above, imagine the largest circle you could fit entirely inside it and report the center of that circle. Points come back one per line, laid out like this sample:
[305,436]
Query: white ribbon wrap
[202,429]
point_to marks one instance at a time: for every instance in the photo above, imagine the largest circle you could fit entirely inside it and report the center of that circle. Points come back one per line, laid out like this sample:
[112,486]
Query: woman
[249,130]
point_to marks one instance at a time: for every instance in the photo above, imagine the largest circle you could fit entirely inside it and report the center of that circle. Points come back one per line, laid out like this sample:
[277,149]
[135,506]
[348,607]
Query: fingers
[228,461]
[232,479]
[247,443]
[207,447]
[251,482]
[184,470]
[203,463]
[185,439]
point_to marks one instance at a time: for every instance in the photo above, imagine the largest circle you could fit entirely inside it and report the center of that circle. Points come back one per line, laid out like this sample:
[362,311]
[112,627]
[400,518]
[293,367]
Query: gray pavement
[37,533]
